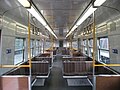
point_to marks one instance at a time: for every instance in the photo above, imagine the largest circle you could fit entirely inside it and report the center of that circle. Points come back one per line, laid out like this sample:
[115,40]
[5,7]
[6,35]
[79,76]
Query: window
[90,47]
[103,50]
[40,45]
[74,44]
[104,43]
[84,47]
[32,44]
[19,50]
[37,47]
[47,44]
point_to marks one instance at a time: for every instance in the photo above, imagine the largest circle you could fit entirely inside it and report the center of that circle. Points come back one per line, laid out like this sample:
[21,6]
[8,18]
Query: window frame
[90,47]
[102,49]
[85,46]
[23,51]
[32,48]
[37,46]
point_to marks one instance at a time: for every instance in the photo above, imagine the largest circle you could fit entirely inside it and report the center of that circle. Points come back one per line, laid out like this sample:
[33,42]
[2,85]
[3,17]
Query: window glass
[40,46]
[32,44]
[91,47]
[47,44]
[84,42]
[103,50]
[42,42]
[19,51]
[37,43]
[84,47]
[91,42]
[74,44]
[104,56]
[37,47]
[104,43]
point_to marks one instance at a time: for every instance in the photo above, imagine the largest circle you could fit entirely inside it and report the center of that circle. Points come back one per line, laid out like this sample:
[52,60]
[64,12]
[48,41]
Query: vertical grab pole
[29,52]
[94,48]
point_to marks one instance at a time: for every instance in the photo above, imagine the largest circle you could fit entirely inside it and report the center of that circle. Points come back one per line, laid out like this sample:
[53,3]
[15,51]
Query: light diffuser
[25,3]
[99,2]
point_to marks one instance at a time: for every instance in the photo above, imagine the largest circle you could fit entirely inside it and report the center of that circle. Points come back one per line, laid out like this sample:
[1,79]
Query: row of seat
[40,68]
[81,58]
[77,67]
[104,77]
[43,59]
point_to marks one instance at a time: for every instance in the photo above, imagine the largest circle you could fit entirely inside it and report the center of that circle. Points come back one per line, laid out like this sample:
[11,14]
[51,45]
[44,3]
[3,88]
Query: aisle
[56,81]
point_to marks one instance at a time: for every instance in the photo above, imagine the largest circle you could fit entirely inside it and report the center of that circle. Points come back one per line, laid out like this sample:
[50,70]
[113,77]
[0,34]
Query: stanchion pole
[29,52]
[94,48]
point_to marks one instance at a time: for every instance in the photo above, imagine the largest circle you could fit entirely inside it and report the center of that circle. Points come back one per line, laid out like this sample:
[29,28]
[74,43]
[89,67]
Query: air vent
[112,26]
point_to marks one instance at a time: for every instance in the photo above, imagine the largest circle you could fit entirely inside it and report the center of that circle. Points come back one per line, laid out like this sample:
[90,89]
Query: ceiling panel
[61,14]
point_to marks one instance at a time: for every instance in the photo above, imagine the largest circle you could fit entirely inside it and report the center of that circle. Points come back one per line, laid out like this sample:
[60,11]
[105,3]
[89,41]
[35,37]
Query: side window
[84,46]
[37,47]
[103,50]
[19,50]
[32,47]
[90,43]
[40,46]
[74,44]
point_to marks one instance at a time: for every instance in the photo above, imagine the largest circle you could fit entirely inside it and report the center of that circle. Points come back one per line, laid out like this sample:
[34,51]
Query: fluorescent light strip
[72,30]
[87,13]
[99,2]
[25,3]
[37,16]
[50,30]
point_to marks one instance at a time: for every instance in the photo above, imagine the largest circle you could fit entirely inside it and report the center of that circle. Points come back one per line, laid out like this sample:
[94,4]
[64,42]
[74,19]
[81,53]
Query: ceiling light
[37,15]
[25,3]
[50,30]
[88,12]
[72,30]
[42,11]
[99,2]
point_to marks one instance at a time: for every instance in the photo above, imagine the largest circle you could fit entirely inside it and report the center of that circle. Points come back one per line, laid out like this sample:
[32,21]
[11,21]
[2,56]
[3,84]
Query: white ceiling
[60,14]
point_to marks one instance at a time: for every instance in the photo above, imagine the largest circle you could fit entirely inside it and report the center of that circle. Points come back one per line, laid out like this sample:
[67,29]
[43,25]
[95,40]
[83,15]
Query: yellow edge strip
[13,66]
[97,65]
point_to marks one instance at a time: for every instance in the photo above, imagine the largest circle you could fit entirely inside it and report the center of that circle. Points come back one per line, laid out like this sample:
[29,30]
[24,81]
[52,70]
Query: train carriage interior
[59,45]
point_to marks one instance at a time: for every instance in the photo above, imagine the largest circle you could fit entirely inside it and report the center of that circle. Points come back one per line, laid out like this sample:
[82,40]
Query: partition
[82,58]
[15,83]
[77,68]
[106,78]
[44,57]
[49,59]
[40,69]
[107,82]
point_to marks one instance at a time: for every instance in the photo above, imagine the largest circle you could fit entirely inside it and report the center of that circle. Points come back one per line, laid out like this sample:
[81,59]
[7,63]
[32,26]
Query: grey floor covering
[78,82]
[39,82]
